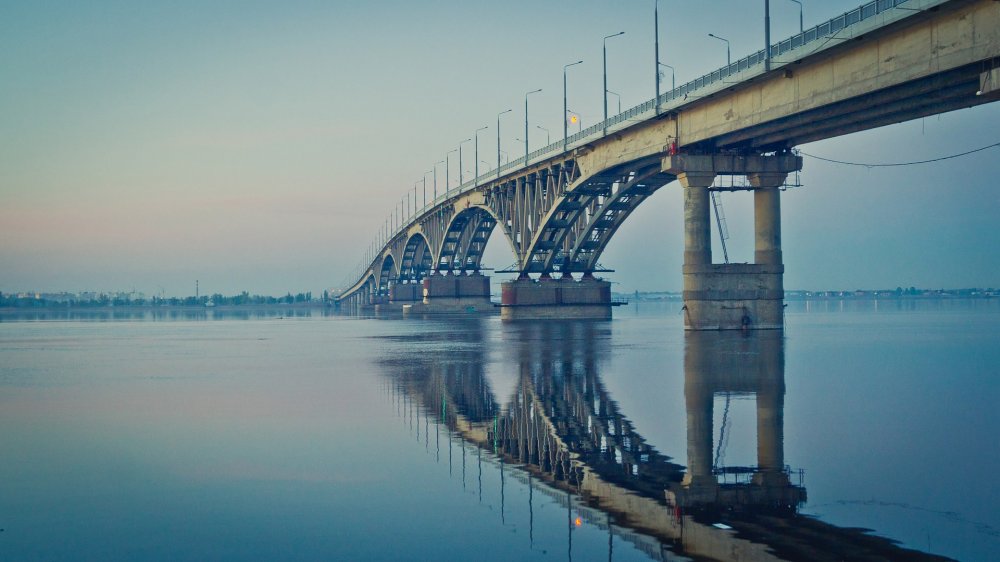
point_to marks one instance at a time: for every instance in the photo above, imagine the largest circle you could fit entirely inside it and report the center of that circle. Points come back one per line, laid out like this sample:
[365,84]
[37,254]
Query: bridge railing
[817,36]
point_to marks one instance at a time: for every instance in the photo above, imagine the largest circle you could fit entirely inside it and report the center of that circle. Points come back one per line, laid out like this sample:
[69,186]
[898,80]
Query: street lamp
[673,75]
[498,138]
[436,177]
[424,178]
[656,47]
[727,45]
[447,168]
[526,123]
[565,110]
[767,35]
[477,153]
[576,119]
[619,96]
[605,95]
[415,184]
[800,13]
[460,176]
[548,137]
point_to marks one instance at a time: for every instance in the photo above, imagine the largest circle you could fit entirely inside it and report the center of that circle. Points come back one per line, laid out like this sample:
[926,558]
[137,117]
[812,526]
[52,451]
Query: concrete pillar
[525,299]
[697,221]
[767,217]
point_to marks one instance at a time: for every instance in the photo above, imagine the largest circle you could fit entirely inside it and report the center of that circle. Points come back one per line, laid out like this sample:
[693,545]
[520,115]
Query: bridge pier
[732,296]
[452,293]
[547,298]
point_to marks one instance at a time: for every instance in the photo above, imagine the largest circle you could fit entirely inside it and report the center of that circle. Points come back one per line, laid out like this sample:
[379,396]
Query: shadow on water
[554,421]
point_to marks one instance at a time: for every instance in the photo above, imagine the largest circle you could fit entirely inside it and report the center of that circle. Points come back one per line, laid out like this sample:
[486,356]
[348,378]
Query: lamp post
[447,168]
[415,184]
[579,120]
[565,109]
[727,45]
[767,35]
[461,179]
[424,178]
[605,94]
[477,153]
[617,95]
[548,137]
[436,177]
[800,14]
[498,138]
[526,123]
[656,47]
[673,75]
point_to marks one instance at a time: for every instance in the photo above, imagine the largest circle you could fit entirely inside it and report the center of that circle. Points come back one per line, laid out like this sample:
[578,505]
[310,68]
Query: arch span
[416,260]
[465,240]
[387,274]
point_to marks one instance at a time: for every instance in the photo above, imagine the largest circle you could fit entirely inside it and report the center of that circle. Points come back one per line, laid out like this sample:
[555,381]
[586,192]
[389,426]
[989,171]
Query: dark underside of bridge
[940,93]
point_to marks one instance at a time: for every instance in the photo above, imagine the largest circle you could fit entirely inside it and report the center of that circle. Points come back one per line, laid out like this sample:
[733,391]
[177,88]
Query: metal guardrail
[823,32]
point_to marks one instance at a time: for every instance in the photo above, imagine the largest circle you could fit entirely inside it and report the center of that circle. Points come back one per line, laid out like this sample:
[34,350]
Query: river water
[866,431]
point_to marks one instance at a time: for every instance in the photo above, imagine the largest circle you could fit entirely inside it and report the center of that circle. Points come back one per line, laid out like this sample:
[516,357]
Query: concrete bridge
[555,424]
[887,61]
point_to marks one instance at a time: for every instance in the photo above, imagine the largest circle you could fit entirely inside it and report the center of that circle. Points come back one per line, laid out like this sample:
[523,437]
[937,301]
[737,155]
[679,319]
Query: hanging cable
[893,164]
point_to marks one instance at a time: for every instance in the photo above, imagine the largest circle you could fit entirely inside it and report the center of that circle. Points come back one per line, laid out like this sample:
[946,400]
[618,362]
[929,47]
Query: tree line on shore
[30,300]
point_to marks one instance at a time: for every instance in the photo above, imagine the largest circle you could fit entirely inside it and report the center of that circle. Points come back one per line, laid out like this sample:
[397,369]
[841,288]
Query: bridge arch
[577,228]
[465,239]
[387,274]
[416,259]
[561,218]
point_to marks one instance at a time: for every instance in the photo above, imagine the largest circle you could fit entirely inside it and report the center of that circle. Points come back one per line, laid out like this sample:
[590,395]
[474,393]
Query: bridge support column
[732,296]
[452,293]
[405,293]
[697,223]
[565,298]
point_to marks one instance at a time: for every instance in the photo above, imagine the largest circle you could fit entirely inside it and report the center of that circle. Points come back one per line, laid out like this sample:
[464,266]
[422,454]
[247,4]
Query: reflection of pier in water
[555,420]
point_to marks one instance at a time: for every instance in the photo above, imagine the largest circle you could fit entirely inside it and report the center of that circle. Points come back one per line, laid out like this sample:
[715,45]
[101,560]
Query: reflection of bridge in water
[557,423]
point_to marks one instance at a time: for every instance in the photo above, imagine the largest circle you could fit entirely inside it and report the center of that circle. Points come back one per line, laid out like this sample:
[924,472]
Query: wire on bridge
[894,164]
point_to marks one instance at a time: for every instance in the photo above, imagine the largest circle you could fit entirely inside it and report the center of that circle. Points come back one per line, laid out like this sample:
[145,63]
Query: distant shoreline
[831,296]
[166,307]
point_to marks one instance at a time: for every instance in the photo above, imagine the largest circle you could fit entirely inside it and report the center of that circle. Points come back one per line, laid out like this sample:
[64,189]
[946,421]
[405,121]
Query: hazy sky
[259,146]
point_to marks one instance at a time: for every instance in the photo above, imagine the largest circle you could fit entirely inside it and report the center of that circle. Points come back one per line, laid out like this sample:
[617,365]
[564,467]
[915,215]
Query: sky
[259,146]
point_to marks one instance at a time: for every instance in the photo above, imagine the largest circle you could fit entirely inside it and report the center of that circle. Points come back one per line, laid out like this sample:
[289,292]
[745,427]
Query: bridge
[885,62]
[554,424]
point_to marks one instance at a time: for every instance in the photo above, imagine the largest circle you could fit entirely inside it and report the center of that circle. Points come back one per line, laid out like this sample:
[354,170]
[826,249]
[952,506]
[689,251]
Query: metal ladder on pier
[720,221]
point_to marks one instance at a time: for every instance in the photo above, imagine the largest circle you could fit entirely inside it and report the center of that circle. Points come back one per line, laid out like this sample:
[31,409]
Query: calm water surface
[210,436]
